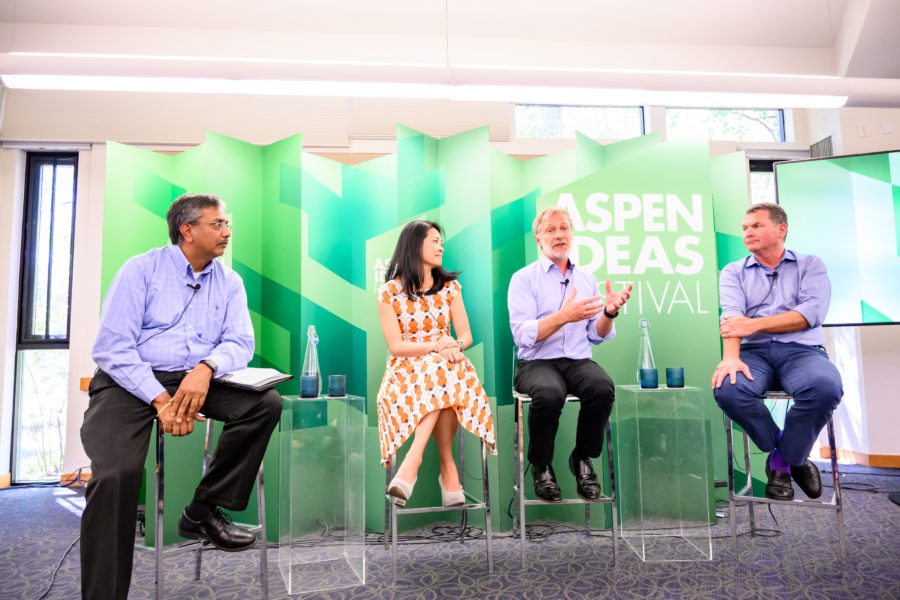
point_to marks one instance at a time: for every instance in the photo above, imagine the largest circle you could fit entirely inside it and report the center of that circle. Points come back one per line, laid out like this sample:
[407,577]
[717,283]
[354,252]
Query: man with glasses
[173,317]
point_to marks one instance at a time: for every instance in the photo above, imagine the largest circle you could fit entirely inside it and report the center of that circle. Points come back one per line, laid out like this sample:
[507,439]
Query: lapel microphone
[772,277]
[565,284]
[196,288]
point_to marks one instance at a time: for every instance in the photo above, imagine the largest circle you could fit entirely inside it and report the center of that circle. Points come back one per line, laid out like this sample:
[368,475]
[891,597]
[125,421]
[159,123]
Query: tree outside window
[597,122]
[733,124]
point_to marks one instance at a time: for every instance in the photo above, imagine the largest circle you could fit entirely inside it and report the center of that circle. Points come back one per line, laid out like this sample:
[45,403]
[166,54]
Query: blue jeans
[802,371]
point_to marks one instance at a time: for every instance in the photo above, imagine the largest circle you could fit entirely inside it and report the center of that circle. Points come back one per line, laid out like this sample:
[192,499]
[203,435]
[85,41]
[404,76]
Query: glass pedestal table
[663,477]
[321,533]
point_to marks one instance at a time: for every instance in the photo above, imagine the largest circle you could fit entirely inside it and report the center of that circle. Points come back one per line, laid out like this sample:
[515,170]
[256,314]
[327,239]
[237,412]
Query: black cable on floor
[32,485]
[853,486]
[56,569]
[524,476]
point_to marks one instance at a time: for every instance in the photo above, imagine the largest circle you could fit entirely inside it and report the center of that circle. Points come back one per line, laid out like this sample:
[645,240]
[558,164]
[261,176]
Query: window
[42,344]
[742,125]
[762,181]
[598,122]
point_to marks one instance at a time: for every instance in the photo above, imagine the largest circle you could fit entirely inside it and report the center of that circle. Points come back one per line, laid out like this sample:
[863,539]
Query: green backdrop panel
[313,240]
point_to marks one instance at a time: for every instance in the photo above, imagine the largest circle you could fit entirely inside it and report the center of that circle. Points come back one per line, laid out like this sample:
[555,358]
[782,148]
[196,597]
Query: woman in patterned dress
[429,386]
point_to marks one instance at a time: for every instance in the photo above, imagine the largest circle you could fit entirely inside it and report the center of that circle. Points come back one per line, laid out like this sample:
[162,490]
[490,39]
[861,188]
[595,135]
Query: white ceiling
[830,47]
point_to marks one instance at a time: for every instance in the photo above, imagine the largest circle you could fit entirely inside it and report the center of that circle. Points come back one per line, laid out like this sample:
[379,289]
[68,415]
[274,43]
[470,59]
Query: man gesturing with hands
[556,312]
[172,318]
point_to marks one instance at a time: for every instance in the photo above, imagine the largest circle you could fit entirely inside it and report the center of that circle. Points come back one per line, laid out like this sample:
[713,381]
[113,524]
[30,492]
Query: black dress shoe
[779,484]
[545,486]
[218,530]
[807,477]
[585,478]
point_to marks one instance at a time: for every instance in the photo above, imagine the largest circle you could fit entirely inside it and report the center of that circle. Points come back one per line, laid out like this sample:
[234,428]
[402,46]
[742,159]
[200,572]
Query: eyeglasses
[220,225]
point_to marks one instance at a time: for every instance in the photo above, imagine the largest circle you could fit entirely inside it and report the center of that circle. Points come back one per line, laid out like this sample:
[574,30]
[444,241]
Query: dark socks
[198,511]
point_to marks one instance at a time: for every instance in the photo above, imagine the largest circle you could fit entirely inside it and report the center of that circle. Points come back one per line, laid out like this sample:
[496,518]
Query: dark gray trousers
[116,435]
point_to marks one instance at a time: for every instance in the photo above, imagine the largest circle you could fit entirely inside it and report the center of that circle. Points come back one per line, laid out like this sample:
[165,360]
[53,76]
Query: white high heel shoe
[451,498]
[400,491]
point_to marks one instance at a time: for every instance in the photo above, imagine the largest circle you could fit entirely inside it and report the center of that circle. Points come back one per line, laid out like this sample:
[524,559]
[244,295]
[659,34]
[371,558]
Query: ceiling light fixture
[358,63]
[610,70]
[633,97]
[229,59]
[583,96]
[266,87]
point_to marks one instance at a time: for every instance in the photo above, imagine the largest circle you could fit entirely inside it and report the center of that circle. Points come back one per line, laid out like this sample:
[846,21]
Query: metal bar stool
[160,551]
[745,494]
[519,485]
[391,510]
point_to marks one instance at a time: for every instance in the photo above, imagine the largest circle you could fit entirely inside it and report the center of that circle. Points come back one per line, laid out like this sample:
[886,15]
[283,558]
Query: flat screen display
[846,210]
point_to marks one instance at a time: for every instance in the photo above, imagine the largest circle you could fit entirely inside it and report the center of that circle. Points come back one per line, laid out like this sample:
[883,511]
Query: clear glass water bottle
[645,354]
[311,358]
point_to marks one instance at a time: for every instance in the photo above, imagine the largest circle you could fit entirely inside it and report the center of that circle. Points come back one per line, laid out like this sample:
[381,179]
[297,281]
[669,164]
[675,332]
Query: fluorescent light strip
[477,93]
[229,59]
[268,87]
[358,63]
[555,69]
[626,97]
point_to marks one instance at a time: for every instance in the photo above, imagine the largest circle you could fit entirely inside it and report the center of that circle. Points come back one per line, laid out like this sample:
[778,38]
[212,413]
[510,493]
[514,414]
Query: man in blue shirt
[773,305]
[172,318]
[554,326]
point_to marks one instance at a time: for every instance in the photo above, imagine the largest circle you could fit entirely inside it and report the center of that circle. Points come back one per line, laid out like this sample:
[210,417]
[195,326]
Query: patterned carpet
[37,525]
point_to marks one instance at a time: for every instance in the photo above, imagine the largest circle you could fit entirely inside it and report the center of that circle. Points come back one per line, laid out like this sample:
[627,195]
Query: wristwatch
[605,312]
[461,349]
[211,365]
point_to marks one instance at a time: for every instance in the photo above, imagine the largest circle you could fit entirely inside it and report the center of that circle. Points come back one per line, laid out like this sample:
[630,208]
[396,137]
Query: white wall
[12,192]
[145,118]
[85,308]
[863,130]
[823,123]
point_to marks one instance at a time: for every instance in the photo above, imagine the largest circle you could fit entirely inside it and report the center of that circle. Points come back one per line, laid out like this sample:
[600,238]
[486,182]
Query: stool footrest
[601,500]
[832,504]
[434,509]
[172,549]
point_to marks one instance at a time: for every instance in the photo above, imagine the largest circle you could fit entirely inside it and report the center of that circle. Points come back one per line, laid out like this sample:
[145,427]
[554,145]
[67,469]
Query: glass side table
[663,475]
[321,537]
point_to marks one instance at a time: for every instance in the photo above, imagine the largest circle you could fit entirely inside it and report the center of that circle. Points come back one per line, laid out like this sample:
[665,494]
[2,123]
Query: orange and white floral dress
[415,386]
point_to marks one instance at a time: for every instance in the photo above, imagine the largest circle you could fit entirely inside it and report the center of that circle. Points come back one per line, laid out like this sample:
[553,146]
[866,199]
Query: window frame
[782,133]
[25,340]
[642,119]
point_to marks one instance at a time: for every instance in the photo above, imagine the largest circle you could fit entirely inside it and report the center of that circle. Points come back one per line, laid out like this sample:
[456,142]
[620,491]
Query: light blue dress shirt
[746,287]
[539,290]
[146,296]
